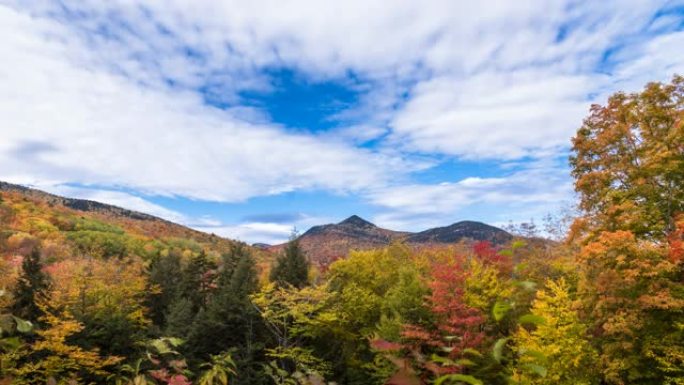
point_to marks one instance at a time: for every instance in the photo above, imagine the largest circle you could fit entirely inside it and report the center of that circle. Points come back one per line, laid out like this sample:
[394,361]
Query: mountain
[66,227]
[326,242]
[458,231]
[82,226]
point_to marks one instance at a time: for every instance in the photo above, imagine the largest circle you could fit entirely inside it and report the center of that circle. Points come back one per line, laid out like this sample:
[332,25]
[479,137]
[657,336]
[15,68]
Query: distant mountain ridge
[325,242]
[456,232]
[322,243]
[79,204]
[141,223]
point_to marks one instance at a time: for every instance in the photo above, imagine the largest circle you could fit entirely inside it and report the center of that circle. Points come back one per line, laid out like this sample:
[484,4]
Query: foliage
[106,296]
[291,267]
[629,168]
[53,358]
[111,298]
[631,300]
[218,371]
[555,350]
[31,286]
[628,161]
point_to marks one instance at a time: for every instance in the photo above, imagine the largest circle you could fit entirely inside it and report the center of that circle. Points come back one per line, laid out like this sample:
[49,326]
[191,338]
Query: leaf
[539,356]
[518,243]
[23,326]
[458,378]
[527,285]
[500,310]
[532,319]
[464,362]
[520,267]
[472,351]
[11,343]
[441,360]
[538,369]
[497,351]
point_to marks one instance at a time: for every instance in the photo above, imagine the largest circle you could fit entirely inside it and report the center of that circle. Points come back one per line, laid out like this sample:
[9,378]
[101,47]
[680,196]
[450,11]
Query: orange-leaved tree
[628,165]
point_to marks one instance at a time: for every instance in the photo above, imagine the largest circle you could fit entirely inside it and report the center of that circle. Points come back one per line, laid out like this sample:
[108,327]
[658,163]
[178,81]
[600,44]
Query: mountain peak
[356,221]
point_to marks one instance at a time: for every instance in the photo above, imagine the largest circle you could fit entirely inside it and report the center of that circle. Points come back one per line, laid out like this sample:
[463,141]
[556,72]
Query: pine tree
[163,288]
[230,321]
[196,281]
[292,267]
[32,284]
[180,318]
[230,261]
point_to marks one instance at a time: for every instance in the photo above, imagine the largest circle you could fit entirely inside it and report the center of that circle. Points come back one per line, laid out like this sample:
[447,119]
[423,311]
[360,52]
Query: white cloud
[103,128]
[504,116]
[252,232]
[531,192]
[108,93]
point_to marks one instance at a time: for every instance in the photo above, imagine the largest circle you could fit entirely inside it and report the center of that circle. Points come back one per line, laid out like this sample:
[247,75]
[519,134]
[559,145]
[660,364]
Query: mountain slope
[326,242]
[458,231]
[66,227]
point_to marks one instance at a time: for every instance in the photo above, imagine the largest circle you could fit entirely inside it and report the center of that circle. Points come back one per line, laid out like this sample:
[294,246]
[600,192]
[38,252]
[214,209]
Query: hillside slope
[66,227]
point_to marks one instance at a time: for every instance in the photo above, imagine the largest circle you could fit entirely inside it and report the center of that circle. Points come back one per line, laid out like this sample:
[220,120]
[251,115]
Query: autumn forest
[93,296]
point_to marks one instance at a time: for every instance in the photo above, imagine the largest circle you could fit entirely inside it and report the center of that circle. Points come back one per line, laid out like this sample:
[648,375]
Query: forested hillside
[95,297]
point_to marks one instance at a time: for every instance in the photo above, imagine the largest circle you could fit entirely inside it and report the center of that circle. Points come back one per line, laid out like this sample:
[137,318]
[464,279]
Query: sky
[250,118]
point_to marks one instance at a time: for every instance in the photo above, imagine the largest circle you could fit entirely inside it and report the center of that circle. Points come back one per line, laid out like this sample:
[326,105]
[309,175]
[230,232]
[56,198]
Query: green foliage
[458,379]
[88,224]
[32,286]
[218,371]
[163,274]
[291,267]
[98,243]
[180,318]
[196,281]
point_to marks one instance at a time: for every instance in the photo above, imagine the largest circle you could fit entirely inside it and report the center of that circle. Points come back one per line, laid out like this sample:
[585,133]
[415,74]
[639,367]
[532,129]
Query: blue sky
[247,119]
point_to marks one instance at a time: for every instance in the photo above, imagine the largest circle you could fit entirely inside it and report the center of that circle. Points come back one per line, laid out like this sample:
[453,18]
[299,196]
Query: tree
[628,165]
[457,326]
[634,306]
[32,285]
[292,266]
[180,318]
[293,318]
[54,359]
[556,350]
[229,320]
[197,281]
[163,275]
[628,161]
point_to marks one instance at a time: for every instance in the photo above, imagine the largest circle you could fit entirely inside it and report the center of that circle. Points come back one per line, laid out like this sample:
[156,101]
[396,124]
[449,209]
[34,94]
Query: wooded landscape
[99,298]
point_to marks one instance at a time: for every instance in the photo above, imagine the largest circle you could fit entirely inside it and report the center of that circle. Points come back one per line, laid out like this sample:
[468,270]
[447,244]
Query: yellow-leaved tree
[52,359]
[555,351]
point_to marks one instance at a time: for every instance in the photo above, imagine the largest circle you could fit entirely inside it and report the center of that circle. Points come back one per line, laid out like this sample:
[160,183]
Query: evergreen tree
[196,281]
[179,318]
[229,320]
[163,288]
[230,260]
[292,267]
[32,284]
